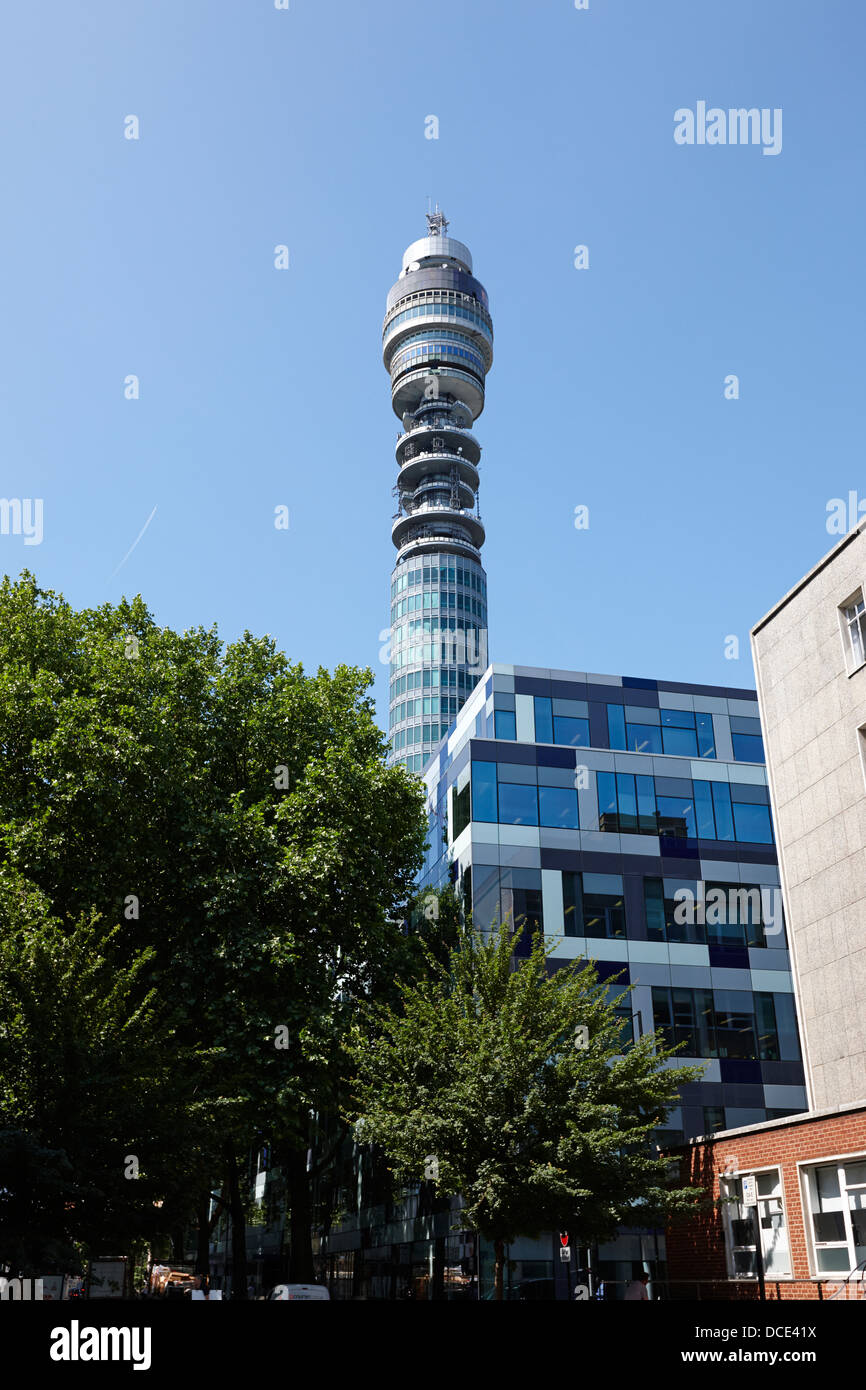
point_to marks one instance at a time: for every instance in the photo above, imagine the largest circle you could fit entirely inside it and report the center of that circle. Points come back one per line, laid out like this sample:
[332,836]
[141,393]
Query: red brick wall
[696,1245]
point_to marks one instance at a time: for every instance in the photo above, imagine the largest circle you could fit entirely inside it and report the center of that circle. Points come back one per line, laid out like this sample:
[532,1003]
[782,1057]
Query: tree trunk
[498,1269]
[239,1229]
[202,1258]
[300,1209]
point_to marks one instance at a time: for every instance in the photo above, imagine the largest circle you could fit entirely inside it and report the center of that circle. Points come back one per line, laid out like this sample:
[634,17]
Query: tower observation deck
[438,348]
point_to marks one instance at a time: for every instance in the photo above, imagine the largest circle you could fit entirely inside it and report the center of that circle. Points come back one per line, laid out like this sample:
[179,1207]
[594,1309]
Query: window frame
[852,664]
[806,1171]
[728,1219]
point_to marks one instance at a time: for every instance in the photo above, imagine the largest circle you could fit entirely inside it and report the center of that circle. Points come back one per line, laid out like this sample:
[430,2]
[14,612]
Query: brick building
[810,1173]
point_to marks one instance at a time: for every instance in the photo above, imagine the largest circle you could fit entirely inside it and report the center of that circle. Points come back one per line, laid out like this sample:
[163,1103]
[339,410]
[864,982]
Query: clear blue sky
[261,387]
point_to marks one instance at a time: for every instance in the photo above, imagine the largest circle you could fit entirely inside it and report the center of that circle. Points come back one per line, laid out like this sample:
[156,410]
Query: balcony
[439,522]
[408,391]
[425,468]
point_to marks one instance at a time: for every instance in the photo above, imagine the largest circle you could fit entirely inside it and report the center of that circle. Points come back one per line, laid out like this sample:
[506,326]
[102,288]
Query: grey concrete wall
[813,702]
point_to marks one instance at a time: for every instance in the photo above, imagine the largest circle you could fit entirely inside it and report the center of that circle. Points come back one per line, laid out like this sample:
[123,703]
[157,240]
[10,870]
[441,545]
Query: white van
[289,1293]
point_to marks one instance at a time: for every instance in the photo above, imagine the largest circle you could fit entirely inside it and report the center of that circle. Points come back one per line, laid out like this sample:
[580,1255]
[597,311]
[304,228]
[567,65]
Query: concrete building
[809,1171]
[810,660]
[438,348]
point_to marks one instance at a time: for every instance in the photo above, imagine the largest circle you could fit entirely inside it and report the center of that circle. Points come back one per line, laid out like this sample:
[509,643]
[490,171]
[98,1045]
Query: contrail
[135,542]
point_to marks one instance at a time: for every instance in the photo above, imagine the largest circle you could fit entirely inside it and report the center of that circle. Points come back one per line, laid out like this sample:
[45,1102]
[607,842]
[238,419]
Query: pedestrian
[251,1289]
[636,1291]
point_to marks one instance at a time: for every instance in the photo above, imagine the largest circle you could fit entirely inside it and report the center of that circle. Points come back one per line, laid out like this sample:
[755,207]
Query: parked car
[298,1293]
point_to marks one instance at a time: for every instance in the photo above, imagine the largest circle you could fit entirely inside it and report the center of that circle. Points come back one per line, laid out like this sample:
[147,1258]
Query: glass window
[676,817]
[748,748]
[667,916]
[683,916]
[680,742]
[694,1021]
[627,803]
[518,804]
[485,896]
[522,903]
[646,806]
[558,807]
[662,1015]
[643,738]
[753,823]
[506,726]
[734,914]
[543,720]
[616,726]
[462,810]
[607,812]
[573,733]
[685,1016]
[831,1233]
[742,1225]
[704,809]
[654,908]
[786,1027]
[714,1118]
[768,1036]
[855,622]
[735,1024]
[603,906]
[722,810]
[484,791]
[572,904]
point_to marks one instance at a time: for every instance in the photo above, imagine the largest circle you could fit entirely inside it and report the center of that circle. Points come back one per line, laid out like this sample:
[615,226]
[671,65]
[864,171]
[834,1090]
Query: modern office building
[810,660]
[593,806]
[438,348]
[630,820]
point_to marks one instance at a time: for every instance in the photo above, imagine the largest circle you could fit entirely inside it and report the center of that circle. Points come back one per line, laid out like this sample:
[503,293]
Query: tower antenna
[436,221]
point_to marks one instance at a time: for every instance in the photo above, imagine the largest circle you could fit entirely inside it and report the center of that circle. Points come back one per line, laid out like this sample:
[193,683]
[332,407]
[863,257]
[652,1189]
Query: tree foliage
[480,1067]
[88,1110]
[226,822]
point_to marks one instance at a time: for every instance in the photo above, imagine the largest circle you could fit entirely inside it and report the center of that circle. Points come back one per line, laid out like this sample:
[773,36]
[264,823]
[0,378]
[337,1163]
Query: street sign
[565,1253]
[750,1192]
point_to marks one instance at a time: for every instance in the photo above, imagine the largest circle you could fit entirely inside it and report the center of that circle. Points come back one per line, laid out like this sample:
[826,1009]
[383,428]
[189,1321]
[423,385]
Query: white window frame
[727,1217]
[852,663]
[806,1169]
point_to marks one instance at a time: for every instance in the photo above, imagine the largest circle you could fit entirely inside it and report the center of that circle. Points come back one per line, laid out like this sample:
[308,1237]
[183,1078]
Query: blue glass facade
[630,820]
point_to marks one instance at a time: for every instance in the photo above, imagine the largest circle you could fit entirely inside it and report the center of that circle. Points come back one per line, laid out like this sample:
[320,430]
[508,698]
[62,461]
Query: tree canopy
[485,1066]
[228,824]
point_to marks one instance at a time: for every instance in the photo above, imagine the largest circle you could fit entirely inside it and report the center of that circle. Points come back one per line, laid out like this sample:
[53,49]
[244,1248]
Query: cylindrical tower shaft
[438,348]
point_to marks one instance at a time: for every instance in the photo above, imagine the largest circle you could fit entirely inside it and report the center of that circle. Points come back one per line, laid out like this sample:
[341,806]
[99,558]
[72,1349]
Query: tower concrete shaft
[438,348]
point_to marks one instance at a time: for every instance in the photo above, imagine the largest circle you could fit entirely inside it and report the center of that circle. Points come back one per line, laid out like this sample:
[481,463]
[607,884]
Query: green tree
[88,1107]
[481,1067]
[234,817]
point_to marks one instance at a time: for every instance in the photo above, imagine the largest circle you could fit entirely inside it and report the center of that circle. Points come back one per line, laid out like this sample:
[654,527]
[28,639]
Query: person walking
[636,1291]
